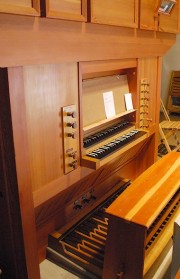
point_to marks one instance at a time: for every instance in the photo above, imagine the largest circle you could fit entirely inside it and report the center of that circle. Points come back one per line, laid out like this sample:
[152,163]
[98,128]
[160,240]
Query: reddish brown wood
[12,254]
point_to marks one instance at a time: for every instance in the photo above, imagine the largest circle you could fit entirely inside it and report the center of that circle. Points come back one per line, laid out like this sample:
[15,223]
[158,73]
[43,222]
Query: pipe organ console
[115,234]
[72,155]
[80,162]
[124,234]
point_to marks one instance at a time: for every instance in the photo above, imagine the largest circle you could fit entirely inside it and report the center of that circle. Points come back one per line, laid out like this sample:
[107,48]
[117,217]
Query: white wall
[171,62]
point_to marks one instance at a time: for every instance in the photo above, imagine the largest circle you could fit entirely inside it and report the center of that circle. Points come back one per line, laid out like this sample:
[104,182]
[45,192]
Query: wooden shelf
[101,123]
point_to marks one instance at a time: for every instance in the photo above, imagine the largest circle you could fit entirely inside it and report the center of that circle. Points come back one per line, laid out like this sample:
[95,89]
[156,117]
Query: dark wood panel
[12,257]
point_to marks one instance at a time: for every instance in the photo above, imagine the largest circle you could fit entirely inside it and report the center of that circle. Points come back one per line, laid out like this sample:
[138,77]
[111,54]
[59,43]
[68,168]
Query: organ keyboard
[102,135]
[125,233]
[116,138]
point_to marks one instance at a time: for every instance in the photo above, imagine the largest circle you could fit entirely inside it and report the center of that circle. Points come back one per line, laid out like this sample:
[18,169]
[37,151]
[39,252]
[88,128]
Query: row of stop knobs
[73,135]
[74,163]
[73,125]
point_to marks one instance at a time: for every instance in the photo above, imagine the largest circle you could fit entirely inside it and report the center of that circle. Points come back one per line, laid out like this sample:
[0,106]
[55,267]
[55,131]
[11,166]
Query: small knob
[73,125]
[74,164]
[72,114]
[72,135]
[73,155]
[93,197]
[77,205]
[85,199]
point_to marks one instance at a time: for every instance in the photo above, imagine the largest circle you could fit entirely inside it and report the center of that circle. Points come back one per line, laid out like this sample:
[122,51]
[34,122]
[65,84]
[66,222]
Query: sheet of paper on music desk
[128,101]
[109,104]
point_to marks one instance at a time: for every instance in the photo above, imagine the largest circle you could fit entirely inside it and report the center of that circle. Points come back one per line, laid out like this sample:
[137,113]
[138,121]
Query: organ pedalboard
[81,248]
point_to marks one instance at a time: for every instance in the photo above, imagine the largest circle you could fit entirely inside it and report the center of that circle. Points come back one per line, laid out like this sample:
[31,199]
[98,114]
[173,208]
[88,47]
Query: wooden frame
[33,10]
[53,11]
[106,12]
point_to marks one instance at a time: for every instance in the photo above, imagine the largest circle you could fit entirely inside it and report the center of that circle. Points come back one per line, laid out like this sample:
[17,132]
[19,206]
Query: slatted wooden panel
[173,104]
[174,89]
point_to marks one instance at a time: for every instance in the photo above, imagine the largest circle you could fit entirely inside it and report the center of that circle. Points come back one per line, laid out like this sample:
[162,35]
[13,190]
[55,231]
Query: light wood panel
[155,182]
[97,68]
[148,15]
[27,40]
[24,7]
[120,13]
[65,9]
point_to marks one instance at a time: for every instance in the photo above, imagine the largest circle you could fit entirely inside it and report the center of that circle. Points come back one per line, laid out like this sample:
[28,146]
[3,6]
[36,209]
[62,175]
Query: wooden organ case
[69,160]
[83,245]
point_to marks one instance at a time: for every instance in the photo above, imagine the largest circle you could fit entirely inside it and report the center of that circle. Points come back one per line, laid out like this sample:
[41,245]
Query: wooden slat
[160,244]
[170,125]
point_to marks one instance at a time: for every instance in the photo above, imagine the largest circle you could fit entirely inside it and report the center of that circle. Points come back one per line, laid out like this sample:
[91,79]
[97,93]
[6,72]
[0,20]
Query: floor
[51,271]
